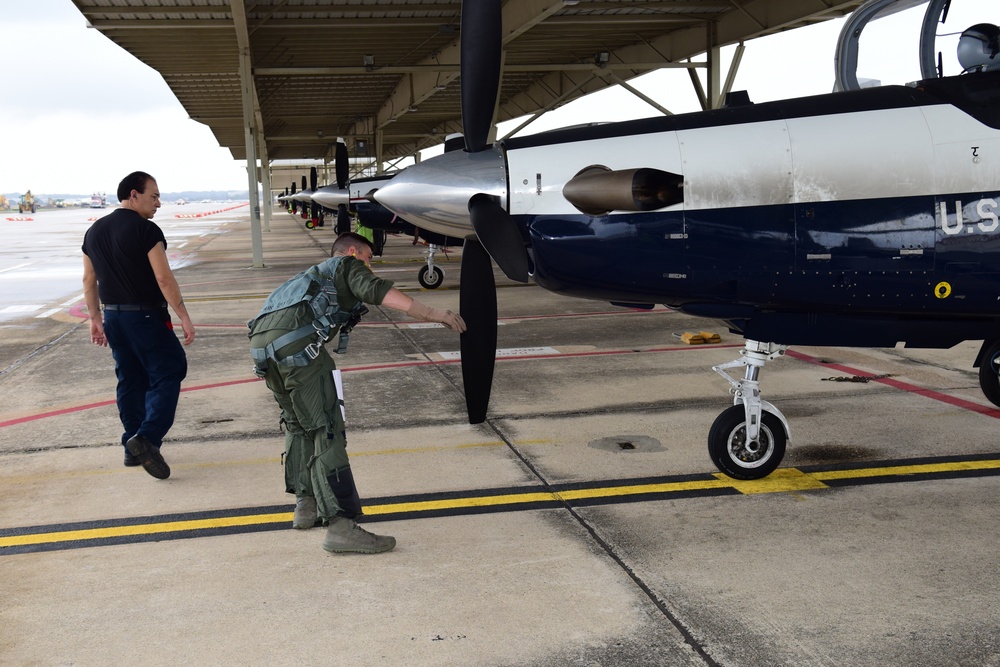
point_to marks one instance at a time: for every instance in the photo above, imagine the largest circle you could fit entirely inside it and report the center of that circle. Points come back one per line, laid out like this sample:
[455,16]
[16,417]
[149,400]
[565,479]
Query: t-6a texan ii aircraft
[866,217]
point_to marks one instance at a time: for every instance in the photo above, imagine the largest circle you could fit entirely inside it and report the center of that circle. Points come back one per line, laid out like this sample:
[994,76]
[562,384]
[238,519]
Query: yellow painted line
[445,448]
[919,469]
[144,529]
[542,496]
[780,481]
[457,503]
[784,480]
[637,489]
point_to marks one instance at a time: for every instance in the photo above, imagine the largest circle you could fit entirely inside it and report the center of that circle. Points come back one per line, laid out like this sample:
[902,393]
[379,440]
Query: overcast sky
[78,112]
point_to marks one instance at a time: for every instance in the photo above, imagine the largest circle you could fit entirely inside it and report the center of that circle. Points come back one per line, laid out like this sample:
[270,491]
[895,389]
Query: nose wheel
[747,441]
[736,455]
[430,276]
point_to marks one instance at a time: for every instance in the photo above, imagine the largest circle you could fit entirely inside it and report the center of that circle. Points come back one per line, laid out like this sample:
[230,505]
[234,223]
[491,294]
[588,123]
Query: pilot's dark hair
[347,239]
[135,181]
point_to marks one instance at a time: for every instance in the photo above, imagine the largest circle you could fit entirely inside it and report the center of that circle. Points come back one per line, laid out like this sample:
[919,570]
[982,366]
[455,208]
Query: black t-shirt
[118,246]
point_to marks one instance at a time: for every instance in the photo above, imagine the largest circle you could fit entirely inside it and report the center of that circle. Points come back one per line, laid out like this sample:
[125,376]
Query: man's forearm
[172,293]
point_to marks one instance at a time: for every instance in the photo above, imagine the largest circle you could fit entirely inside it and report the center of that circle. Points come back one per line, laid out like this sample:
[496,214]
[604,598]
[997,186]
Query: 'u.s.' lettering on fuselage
[987,221]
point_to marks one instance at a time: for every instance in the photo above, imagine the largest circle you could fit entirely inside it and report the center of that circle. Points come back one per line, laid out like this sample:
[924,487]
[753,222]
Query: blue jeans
[150,364]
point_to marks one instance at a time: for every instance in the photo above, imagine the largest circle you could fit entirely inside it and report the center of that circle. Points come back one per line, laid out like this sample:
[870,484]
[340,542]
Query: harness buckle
[312,350]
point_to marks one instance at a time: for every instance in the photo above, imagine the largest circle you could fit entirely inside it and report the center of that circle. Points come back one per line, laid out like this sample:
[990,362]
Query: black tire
[727,445]
[989,372]
[430,280]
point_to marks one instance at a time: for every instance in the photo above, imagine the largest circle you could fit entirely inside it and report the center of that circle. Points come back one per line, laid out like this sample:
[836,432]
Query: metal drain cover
[627,443]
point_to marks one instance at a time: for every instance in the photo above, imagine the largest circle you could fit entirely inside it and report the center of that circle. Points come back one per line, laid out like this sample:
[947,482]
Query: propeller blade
[498,233]
[478,307]
[454,142]
[342,164]
[343,219]
[481,49]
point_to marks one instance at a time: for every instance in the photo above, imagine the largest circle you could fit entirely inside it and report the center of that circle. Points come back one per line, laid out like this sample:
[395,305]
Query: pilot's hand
[422,311]
[451,320]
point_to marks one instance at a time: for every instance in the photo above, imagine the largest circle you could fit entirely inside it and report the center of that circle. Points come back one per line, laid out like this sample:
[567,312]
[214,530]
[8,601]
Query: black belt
[134,306]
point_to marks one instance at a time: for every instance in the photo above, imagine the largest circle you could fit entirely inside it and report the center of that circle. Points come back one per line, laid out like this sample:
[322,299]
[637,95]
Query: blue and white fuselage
[876,201]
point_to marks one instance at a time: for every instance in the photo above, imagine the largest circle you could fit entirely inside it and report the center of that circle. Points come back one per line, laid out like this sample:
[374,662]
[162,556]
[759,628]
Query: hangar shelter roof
[384,74]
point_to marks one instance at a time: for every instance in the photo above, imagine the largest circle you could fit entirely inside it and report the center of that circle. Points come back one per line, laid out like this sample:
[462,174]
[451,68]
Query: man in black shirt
[125,267]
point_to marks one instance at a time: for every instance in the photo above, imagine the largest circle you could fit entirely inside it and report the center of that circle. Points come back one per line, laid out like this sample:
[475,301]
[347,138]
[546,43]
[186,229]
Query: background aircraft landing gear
[430,276]
[747,441]
[989,371]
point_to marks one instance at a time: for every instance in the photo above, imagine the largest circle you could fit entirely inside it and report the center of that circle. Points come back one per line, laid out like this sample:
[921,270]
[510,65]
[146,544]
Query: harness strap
[261,355]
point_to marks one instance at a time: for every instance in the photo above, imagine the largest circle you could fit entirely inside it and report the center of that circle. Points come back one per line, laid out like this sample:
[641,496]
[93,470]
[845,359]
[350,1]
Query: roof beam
[454,69]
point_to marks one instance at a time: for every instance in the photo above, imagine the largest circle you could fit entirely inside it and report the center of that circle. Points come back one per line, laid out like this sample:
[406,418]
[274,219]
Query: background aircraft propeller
[343,168]
[313,206]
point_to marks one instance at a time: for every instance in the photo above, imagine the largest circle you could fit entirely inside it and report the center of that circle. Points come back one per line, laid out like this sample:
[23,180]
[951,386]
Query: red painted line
[208,213]
[55,413]
[904,386]
[373,367]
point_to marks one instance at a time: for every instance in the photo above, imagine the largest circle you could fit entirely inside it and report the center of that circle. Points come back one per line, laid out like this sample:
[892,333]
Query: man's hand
[188,326]
[97,333]
[422,311]
[451,320]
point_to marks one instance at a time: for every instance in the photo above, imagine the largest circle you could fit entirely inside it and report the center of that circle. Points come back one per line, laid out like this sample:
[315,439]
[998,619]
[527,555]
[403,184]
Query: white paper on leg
[339,383]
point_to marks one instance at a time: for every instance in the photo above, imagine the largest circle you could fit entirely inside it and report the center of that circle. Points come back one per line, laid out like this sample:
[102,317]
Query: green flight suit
[316,461]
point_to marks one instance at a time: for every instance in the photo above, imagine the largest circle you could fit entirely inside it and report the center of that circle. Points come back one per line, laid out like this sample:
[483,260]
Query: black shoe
[131,461]
[149,456]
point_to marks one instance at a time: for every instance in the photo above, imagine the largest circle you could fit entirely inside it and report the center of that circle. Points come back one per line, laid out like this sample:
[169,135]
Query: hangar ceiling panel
[386,71]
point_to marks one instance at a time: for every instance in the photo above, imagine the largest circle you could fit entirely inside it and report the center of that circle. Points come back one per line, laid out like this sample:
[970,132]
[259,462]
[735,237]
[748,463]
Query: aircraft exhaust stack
[598,190]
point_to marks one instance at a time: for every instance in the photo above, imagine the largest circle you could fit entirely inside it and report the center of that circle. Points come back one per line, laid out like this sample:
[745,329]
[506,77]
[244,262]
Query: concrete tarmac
[583,524]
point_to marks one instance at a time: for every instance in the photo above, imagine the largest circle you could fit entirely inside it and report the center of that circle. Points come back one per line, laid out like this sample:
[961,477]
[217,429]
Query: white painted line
[435,325]
[19,266]
[510,352]
[71,301]
[26,308]
[48,313]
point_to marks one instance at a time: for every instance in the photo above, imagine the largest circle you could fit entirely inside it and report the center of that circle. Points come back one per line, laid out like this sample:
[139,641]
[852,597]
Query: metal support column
[249,132]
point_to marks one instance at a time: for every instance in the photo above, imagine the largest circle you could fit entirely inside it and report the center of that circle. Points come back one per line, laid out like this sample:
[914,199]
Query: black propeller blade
[343,168]
[480,69]
[313,184]
[342,164]
[499,235]
[481,50]
[478,305]
[343,219]
[304,204]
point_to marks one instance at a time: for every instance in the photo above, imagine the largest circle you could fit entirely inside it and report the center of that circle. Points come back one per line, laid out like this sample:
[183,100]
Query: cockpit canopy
[978,47]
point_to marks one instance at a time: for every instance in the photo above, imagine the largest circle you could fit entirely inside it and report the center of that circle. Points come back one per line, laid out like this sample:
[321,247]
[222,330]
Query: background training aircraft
[864,217]
[373,215]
